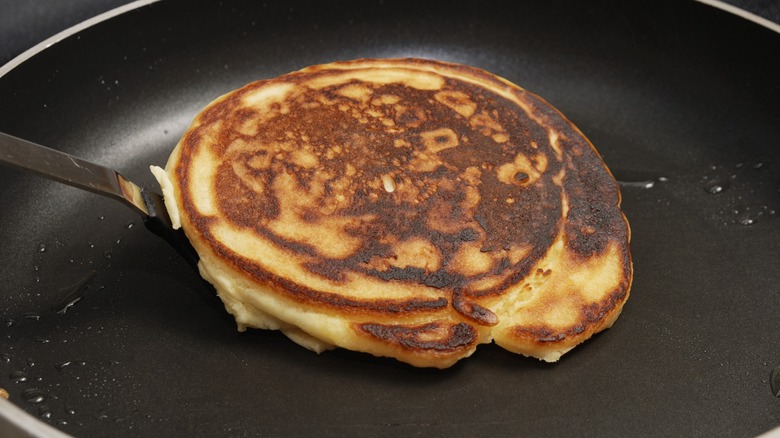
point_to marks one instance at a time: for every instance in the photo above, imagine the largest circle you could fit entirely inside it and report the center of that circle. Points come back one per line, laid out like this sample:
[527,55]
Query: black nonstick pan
[106,331]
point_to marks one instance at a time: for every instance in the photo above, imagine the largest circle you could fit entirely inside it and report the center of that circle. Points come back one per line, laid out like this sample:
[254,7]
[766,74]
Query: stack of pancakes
[405,208]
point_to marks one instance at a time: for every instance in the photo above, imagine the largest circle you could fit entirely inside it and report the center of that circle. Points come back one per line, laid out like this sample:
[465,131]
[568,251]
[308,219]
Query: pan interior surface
[106,331]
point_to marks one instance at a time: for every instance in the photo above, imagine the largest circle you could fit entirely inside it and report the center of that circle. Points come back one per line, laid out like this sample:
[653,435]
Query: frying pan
[107,332]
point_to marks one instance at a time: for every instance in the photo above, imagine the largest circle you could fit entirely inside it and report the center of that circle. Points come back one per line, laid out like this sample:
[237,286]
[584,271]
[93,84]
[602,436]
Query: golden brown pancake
[402,207]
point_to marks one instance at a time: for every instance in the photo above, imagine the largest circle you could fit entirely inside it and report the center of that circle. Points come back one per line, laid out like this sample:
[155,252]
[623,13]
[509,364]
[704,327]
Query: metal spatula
[59,166]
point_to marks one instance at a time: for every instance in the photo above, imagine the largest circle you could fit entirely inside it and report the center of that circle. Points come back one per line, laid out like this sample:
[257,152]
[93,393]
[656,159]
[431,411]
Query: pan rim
[719,4]
[59,36]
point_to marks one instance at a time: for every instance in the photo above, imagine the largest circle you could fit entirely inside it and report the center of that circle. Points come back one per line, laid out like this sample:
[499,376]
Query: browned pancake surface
[410,196]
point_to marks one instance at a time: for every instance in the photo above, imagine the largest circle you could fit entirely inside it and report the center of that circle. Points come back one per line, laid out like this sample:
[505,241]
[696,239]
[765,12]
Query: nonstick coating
[107,332]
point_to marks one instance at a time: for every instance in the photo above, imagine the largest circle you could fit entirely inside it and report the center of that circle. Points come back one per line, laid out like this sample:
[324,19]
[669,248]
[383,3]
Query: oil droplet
[752,214]
[76,295]
[70,411]
[130,225]
[68,302]
[774,381]
[18,377]
[34,396]
[44,412]
[42,247]
[715,187]
[101,217]
[32,316]
[649,184]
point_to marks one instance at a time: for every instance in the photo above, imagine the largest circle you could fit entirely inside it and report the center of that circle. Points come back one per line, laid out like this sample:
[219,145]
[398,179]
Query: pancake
[405,208]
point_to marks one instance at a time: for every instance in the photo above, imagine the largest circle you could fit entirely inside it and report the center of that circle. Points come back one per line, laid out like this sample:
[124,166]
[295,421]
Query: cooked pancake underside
[405,208]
